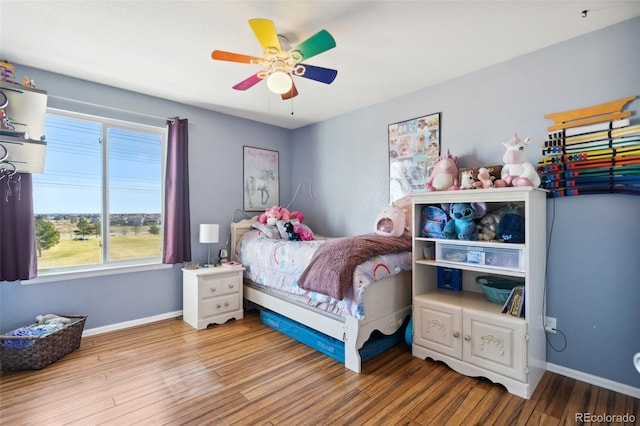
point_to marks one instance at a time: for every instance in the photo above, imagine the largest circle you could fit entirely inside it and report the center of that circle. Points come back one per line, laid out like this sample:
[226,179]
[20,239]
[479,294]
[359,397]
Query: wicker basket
[45,349]
[497,289]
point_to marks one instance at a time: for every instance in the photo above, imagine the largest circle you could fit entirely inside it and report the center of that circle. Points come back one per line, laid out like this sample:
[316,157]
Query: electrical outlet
[550,324]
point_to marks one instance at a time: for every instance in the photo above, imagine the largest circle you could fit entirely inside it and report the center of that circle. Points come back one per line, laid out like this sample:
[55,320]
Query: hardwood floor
[245,373]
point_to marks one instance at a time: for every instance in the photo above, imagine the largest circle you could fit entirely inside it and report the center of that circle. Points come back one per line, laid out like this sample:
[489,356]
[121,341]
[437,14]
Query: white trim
[97,272]
[132,323]
[594,380]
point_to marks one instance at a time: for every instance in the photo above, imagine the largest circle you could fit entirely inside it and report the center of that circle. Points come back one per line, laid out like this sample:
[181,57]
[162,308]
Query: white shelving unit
[463,328]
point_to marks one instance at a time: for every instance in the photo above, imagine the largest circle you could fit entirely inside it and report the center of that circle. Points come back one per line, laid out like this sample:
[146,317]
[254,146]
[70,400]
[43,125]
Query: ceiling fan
[280,65]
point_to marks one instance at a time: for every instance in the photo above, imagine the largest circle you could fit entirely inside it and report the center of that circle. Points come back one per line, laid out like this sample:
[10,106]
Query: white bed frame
[387,303]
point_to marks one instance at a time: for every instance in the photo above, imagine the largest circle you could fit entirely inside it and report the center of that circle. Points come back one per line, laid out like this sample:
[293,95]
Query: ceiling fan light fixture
[279,82]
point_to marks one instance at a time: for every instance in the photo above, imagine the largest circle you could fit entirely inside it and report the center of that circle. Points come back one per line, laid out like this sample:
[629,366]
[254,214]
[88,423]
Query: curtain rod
[155,117]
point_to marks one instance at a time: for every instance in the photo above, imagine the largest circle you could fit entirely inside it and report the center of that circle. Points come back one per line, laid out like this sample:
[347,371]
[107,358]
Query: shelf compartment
[480,255]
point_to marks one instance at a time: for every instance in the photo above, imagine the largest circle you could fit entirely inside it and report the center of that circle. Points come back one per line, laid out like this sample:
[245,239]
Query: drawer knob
[226,304]
[456,334]
[218,306]
[467,337]
[212,289]
[231,286]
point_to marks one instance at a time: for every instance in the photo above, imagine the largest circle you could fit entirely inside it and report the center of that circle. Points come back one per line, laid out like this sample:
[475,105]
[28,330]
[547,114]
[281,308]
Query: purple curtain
[177,222]
[17,240]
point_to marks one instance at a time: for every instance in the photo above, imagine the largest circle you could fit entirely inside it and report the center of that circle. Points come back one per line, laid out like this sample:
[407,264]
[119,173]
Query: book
[507,303]
[231,265]
[517,302]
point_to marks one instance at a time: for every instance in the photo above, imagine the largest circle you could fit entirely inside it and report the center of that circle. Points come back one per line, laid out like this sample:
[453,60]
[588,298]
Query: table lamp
[208,235]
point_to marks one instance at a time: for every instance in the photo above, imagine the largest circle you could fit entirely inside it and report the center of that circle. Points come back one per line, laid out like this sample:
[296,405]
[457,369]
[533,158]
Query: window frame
[109,267]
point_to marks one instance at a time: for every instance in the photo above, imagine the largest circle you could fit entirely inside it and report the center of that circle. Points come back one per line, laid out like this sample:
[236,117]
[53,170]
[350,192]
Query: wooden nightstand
[211,296]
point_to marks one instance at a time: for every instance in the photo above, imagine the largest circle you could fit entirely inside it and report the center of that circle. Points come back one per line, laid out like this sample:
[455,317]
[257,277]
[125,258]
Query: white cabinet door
[495,343]
[439,327]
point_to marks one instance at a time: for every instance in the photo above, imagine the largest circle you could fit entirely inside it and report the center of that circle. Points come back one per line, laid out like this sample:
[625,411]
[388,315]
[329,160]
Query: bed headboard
[238,229]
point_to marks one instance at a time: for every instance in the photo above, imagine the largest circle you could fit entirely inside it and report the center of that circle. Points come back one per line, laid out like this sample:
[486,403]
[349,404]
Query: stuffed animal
[272,215]
[467,181]
[305,233]
[293,236]
[488,226]
[511,228]
[444,175]
[462,225]
[517,171]
[485,180]
[391,222]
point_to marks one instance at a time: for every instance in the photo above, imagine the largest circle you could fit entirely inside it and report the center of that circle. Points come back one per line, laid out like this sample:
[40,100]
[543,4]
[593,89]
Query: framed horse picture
[261,179]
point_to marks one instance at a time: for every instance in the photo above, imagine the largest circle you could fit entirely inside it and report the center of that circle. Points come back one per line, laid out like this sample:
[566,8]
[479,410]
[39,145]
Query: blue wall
[593,270]
[593,286]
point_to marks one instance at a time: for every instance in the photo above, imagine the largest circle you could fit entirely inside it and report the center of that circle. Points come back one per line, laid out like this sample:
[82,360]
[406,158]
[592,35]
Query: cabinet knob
[231,286]
[212,289]
[456,334]
[467,337]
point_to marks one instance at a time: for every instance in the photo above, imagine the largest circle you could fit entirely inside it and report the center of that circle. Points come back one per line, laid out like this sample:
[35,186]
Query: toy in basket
[35,346]
[497,289]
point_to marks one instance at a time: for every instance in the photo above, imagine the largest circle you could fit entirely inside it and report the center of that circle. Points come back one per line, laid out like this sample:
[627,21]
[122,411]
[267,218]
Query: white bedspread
[278,264]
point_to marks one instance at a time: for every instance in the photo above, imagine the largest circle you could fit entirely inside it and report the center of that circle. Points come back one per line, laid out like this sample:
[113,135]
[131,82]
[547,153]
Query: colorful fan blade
[221,55]
[316,44]
[291,93]
[323,75]
[248,83]
[266,34]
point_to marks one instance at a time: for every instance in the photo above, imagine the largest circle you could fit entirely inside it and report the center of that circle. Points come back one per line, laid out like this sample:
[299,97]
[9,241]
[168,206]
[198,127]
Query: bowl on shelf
[497,289]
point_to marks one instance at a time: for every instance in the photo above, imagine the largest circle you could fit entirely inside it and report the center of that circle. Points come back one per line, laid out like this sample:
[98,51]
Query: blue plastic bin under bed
[377,343]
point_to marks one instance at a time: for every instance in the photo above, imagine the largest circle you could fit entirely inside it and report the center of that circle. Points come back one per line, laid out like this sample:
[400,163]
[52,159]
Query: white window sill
[98,272]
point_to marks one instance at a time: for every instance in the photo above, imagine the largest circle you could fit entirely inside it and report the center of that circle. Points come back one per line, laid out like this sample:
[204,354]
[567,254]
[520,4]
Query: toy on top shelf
[444,175]
[517,170]
[485,180]
[467,181]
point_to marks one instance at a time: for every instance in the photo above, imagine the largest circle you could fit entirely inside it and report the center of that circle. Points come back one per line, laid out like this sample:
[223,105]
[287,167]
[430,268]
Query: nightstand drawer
[214,286]
[220,305]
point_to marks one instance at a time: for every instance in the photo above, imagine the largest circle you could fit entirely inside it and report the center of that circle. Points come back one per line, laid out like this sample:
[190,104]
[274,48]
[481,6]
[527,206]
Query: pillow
[269,231]
[280,225]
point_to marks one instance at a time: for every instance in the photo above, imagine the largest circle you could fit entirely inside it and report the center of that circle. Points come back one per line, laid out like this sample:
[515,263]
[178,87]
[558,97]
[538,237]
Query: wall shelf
[26,111]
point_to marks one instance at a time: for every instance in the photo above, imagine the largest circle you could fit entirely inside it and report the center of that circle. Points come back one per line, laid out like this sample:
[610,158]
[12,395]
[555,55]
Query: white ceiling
[384,48]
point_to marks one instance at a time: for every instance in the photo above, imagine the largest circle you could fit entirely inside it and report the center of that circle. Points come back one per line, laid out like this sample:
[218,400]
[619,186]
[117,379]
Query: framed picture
[261,181]
[414,148]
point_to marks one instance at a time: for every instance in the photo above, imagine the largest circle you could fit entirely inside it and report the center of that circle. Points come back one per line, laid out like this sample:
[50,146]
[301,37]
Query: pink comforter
[331,268]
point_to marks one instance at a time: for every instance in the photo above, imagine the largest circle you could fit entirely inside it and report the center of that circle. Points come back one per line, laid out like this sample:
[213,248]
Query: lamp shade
[279,82]
[209,233]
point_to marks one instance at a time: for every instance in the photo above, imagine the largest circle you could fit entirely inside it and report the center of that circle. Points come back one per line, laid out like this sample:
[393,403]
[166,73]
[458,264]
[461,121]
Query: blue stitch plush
[461,225]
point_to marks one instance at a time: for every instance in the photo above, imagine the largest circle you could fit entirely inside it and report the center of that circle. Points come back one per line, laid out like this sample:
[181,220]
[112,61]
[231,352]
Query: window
[98,203]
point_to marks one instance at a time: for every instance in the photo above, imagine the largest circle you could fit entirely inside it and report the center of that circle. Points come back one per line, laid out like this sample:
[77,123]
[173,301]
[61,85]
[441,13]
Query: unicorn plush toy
[517,170]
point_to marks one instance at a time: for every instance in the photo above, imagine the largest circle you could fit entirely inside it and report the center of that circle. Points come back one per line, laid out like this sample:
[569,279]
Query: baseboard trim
[594,380]
[132,323]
